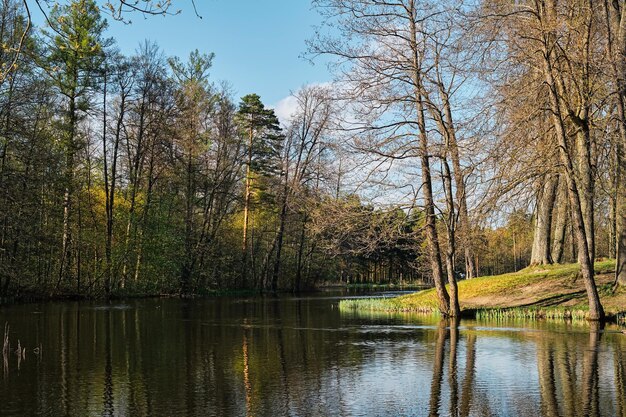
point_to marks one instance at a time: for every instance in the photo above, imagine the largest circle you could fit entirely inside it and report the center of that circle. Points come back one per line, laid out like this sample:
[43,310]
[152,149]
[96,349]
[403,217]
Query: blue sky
[257,43]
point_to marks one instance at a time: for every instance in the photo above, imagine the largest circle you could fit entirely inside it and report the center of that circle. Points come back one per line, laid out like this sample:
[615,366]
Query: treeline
[125,173]
[141,175]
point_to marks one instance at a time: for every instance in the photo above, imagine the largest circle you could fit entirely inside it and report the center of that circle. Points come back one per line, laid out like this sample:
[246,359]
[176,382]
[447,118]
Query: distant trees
[307,137]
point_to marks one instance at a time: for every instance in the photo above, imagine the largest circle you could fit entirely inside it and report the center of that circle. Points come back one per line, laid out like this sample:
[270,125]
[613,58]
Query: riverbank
[554,291]
[38,297]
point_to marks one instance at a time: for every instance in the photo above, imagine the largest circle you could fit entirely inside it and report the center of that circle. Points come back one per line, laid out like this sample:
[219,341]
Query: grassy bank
[554,291]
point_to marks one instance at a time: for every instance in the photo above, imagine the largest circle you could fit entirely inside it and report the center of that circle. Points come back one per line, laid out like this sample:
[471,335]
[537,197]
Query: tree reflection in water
[448,330]
[299,357]
[572,379]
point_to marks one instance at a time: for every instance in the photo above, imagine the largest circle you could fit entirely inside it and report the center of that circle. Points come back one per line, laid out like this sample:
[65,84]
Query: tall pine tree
[74,62]
[260,129]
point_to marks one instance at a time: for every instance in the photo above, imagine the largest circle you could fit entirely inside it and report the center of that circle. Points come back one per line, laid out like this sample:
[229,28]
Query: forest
[459,139]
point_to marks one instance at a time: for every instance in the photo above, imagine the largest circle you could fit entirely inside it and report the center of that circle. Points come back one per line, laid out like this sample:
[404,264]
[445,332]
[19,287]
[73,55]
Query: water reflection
[448,332]
[300,357]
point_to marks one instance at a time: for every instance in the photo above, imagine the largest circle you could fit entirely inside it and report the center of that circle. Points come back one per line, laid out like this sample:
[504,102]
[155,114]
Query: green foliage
[195,70]
[262,134]
[78,50]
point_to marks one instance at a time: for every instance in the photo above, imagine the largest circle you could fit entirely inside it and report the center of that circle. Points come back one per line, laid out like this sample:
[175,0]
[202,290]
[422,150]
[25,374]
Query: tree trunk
[587,186]
[300,255]
[543,222]
[465,229]
[246,213]
[109,186]
[450,250]
[107,193]
[429,205]
[613,178]
[560,226]
[66,241]
[596,312]
[136,167]
[189,262]
[279,240]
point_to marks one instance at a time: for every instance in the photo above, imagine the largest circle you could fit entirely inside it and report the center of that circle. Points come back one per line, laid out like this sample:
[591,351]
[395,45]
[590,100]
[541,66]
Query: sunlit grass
[383,305]
[554,281]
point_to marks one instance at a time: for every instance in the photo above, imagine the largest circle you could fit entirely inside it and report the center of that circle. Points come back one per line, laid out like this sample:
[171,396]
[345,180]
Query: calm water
[299,357]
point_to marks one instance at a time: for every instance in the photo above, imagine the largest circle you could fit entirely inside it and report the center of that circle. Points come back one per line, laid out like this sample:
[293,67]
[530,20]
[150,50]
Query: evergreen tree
[261,130]
[74,62]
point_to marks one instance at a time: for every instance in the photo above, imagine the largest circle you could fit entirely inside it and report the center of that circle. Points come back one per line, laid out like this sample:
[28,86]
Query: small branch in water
[6,346]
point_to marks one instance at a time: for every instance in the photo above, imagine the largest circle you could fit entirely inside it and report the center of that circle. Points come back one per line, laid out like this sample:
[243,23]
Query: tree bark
[279,239]
[66,240]
[543,222]
[587,185]
[560,226]
[431,222]
[450,250]
[465,229]
[246,212]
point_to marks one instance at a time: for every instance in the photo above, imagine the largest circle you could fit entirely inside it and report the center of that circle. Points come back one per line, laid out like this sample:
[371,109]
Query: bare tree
[305,135]
[388,51]
[615,14]
[534,36]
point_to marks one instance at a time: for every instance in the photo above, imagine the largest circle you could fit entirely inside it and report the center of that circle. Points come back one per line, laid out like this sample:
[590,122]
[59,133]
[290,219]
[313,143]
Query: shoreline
[551,292]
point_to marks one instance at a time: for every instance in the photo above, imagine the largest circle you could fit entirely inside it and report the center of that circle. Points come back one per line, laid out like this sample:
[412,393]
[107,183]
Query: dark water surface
[299,356]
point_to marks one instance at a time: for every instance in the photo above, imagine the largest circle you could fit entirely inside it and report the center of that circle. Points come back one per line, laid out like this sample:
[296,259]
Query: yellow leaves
[95,197]
[12,67]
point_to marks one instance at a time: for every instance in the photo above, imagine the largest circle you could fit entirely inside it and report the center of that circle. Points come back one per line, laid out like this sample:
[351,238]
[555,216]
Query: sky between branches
[257,44]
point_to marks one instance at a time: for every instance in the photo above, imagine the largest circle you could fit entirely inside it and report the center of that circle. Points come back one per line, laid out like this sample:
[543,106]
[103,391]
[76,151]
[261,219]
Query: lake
[299,356]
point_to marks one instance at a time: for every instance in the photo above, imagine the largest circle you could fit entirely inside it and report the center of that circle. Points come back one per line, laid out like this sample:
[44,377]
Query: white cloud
[286,108]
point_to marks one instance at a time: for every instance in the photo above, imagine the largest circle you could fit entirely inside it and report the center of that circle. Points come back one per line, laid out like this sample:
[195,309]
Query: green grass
[502,296]
[550,313]
[382,304]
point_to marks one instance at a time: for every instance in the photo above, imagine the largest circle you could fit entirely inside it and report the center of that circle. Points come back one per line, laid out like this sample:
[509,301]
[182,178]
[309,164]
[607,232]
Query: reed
[389,305]
[376,304]
[552,313]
